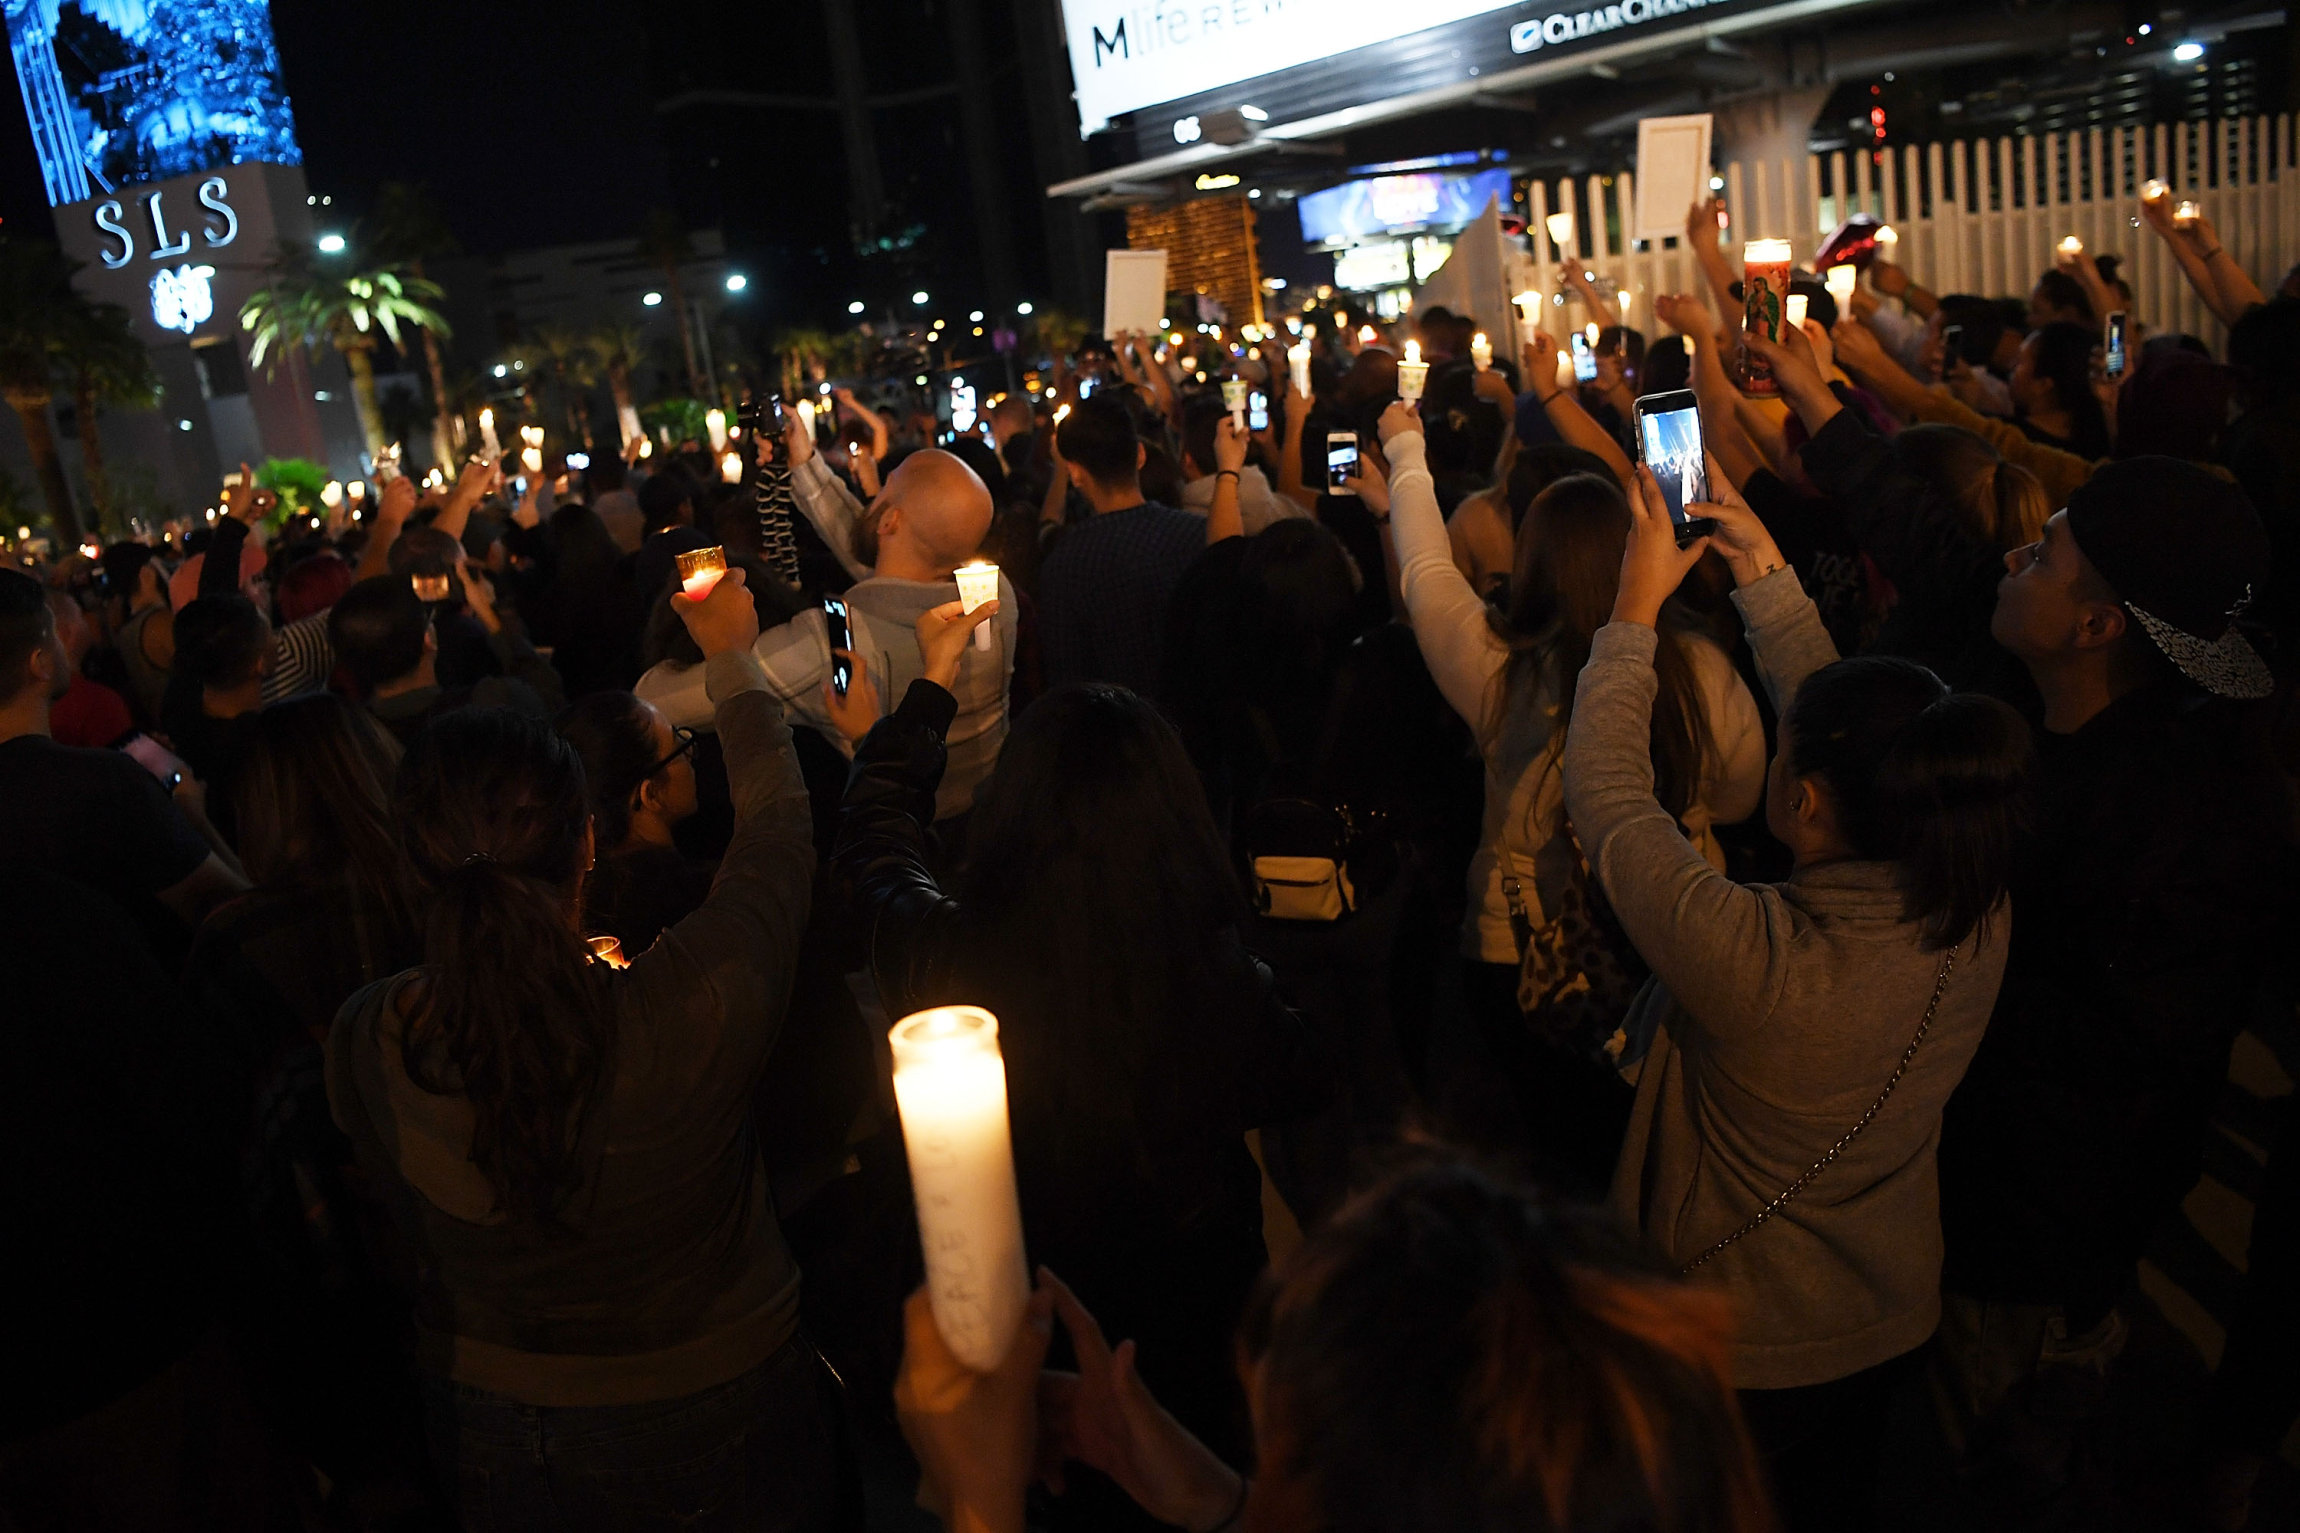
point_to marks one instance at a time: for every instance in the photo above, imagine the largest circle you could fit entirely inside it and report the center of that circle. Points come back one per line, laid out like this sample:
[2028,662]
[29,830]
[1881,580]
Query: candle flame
[1413,353]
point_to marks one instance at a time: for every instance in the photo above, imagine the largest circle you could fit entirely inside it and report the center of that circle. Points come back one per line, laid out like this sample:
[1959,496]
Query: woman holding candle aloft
[1511,675]
[567,1150]
[1096,916]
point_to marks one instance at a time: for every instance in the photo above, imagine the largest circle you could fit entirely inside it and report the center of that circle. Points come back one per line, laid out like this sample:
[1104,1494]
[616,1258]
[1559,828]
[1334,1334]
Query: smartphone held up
[1669,442]
[1341,462]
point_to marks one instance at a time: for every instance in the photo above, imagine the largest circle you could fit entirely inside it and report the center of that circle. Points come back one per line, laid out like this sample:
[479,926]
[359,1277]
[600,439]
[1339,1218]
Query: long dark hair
[1933,781]
[1095,872]
[1999,503]
[312,800]
[614,734]
[492,811]
[1561,592]
[1453,1351]
[2064,360]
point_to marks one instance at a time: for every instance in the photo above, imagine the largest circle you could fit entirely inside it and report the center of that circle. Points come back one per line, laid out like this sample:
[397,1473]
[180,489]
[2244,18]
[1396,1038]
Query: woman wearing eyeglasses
[640,774]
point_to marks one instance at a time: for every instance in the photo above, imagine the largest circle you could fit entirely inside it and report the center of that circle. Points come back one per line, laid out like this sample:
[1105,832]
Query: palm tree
[619,348]
[803,355]
[37,324]
[409,230]
[106,366]
[575,369]
[664,245]
[303,306]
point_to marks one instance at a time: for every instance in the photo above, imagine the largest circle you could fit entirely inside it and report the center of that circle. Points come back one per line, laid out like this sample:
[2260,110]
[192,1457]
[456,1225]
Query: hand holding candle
[1840,281]
[487,438]
[699,570]
[950,1088]
[1298,364]
[1413,373]
[2069,248]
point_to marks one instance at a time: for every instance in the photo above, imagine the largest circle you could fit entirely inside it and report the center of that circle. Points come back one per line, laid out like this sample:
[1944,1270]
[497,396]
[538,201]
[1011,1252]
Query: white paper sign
[1133,291]
[1672,173]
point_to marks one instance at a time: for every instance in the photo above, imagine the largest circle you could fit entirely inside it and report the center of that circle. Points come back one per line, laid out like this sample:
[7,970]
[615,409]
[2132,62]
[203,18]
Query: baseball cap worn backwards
[2186,554]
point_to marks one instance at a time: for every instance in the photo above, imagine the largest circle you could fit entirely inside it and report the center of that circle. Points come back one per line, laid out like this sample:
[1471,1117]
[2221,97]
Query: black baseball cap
[2185,552]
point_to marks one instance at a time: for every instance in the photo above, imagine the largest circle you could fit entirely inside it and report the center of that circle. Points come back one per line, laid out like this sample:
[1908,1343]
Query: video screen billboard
[1358,210]
[123,92]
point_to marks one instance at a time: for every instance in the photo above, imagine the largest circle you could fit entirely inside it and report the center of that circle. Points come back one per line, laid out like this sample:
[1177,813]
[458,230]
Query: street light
[501,370]
[919,298]
[736,282]
[2188,53]
[975,318]
[653,300]
[331,244]
[856,307]
[1022,308]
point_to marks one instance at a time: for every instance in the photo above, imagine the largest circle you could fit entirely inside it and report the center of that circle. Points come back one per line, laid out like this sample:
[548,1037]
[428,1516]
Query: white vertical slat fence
[1979,216]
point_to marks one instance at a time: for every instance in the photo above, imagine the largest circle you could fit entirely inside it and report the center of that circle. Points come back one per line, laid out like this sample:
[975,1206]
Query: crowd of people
[1519,1010]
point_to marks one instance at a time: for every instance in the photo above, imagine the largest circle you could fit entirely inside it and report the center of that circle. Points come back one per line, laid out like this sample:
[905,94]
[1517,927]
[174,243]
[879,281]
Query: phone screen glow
[1672,441]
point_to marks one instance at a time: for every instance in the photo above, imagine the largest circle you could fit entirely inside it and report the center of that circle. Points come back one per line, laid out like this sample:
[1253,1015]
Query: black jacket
[1161,1238]
[2160,890]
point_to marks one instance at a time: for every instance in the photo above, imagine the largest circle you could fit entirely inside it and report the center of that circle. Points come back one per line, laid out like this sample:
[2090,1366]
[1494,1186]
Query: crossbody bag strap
[1782,1198]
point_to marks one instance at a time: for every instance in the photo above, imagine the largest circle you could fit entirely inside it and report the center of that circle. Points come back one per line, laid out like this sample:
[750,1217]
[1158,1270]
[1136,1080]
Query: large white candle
[487,437]
[977,583]
[1298,363]
[1841,281]
[950,1086]
[715,423]
[1480,352]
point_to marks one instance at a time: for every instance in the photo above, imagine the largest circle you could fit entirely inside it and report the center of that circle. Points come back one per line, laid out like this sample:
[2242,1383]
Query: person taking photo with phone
[1799,1039]
[1512,674]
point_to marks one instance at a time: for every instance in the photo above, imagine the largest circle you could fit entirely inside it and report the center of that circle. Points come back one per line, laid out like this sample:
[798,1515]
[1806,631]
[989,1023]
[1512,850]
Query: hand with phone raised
[1653,565]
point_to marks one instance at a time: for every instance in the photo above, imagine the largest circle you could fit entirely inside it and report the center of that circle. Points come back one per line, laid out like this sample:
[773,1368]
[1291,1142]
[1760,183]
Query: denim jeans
[758,1453]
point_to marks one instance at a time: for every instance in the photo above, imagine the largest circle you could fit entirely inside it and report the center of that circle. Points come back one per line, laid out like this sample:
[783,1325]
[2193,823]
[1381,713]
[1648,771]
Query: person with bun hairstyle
[606,1311]
[1805,1035]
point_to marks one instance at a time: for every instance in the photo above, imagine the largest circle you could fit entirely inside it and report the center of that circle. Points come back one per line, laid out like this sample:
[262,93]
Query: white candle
[1797,304]
[1413,373]
[487,437]
[1234,392]
[2070,245]
[715,422]
[1561,234]
[1480,351]
[2154,191]
[977,583]
[731,467]
[2185,216]
[1298,363]
[950,1087]
[1888,240]
[1840,281]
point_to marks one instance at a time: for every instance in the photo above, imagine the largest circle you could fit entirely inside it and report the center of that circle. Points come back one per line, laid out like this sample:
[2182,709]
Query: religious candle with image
[977,583]
[950,1090]
[1764,307]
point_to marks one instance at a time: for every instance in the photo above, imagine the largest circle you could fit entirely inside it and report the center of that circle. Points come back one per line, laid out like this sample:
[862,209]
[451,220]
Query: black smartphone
[1669,440]
[1952,346]
[1584,359]
[842,638]
[1341,461]
[2112,344]
[1257,411]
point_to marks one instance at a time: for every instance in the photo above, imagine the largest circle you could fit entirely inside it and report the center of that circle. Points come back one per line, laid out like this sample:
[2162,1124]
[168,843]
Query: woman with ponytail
[606,1312]
[1803,1037]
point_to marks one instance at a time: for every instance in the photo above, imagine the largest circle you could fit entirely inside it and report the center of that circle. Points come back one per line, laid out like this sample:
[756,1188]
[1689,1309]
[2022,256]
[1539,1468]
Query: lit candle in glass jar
[2070,247]
[2185,216]
[608,951]
[2154,190]
[699,570]
[950,1088]
[1764,289]
[977,583]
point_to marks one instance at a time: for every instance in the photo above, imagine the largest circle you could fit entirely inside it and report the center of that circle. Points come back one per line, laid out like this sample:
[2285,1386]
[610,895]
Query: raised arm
[1601,308]
[2226,288]
[1224,519]
[477,481]
[1564,409]
[1448,616]
[1290,482]
[394,501]
[1720,427]
[825,500]
[1702,229]
[1894,282]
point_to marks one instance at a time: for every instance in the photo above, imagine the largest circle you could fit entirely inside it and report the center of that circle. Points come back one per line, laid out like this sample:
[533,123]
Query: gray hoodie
[1781,1011]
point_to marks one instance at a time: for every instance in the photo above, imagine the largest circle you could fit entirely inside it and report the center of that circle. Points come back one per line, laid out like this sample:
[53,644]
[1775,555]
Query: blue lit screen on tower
[121,92]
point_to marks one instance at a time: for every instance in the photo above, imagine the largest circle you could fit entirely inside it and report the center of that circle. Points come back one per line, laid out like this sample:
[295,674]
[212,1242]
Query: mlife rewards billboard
[121,93]
[1156,68]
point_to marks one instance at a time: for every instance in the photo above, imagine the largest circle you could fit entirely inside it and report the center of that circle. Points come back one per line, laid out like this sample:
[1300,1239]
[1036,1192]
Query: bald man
[929,518]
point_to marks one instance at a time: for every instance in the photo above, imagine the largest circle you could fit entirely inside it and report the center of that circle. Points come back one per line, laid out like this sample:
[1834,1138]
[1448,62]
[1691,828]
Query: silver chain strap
[1781,1199]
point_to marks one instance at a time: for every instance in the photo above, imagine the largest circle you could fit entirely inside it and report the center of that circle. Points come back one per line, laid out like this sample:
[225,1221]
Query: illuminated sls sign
[219,225]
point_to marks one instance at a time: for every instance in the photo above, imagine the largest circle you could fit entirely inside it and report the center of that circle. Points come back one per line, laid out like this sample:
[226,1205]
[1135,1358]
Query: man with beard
[929,518]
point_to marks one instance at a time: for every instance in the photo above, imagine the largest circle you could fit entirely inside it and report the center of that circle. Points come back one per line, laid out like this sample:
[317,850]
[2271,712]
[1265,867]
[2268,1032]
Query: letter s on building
[108,223]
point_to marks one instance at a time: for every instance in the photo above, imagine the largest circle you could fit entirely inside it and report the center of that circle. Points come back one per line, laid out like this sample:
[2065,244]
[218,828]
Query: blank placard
[1133,291]
[1672,173]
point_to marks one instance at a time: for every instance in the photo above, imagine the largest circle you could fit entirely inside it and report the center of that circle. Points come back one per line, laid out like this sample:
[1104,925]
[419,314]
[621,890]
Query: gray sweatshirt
[1782,1010]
